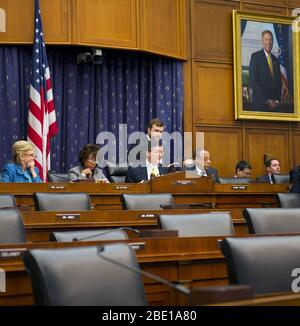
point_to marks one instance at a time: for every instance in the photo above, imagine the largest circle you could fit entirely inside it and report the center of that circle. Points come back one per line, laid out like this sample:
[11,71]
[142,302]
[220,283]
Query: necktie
[155,171]
[270,63]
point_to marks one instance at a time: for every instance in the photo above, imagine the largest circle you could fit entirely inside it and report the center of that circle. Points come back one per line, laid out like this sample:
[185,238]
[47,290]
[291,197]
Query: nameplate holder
[158,233]
[57,187]
[11,253]
[148,215]
[121,187]
[67,217]
[137,245]
[183,182]
[239,187]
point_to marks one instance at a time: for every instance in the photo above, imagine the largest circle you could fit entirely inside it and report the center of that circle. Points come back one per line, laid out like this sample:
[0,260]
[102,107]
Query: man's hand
[86,172]
[272,105]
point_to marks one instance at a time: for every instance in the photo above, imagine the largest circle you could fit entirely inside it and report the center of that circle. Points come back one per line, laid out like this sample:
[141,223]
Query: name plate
[148,215]
[121,187]
[137,245]
[11,253]
[68,217]
[183,182]
[239,187]
[57,187]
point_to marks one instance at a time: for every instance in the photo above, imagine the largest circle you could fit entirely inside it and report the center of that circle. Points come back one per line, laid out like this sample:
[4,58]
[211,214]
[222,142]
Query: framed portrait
[266,67]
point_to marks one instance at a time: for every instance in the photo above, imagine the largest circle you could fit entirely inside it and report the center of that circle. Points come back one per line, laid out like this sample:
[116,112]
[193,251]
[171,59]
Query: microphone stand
[177,287]
[107,232]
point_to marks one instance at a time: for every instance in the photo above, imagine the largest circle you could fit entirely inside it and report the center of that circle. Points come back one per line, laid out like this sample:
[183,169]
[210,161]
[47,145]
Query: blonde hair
[19,148]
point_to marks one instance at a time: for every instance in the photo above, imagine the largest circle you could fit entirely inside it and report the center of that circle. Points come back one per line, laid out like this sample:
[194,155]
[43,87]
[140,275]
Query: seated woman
[23,168]
[87,168]
[243,170]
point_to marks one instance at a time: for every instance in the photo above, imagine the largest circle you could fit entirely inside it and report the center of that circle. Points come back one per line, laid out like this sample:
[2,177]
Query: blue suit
[14,173]
[265,85]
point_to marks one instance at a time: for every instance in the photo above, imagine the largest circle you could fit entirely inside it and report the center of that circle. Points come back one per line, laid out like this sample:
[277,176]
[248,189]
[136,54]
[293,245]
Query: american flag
[41,116]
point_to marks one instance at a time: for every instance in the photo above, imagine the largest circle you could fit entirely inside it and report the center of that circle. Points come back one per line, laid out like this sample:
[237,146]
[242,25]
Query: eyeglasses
[32,155]
[91,161]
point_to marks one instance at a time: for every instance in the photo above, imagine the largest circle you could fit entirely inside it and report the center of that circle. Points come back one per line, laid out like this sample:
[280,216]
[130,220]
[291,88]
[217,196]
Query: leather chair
[289,200]
[7,201]
[272,220]
[235,180]
[11,226]
[58,177]
[198,225]
[146,201]
[116,173]
[80,277]
[64,201]
[88,235]
[281,178]
[266,263]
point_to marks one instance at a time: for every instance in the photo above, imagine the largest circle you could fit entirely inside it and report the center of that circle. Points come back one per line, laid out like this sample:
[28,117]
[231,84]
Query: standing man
[272,167]
[265,76]
[154,132]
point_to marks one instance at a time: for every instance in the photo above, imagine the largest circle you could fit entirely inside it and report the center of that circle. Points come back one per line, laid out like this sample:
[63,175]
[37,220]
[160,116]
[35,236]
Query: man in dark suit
[265,77]
[149,169]
[272,167]
[295,179]
[202,165]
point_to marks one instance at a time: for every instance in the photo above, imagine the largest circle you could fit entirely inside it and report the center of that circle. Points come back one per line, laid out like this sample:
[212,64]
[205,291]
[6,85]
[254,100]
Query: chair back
[116,173]
[11,226]
[88,235]
[146,201]
[7,201]
[80,277]
[272,220]
[198,225]
[266,263]
[289,200]
[64,201]
[58,177]
[281,178]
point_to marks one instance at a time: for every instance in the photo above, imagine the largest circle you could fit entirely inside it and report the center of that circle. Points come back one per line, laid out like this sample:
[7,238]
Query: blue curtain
[127,87]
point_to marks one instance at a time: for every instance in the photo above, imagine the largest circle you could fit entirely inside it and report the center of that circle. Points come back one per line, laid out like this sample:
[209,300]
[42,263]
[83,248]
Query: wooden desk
[39,225]
[189,261]
[107,196]
[287,299]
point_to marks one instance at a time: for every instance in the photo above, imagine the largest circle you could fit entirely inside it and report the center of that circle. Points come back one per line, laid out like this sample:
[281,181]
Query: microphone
[107,232]
[177,287]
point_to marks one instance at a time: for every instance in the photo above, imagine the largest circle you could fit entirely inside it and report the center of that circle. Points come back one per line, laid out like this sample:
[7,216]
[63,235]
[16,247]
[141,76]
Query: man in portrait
[265,77]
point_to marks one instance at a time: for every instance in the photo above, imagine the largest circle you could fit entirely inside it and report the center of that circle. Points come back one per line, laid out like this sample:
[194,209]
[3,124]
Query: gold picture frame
[266,84]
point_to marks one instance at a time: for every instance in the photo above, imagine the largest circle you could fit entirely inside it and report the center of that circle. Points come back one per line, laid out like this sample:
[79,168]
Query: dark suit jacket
[264,179]
[264,85]
[210,172]
[295,179]
[139,173]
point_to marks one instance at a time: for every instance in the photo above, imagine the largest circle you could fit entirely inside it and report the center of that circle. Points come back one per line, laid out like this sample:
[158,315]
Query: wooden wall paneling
[267,2]
[264,9]
[106,23]
[163,27]
[225,147]
[213,93]
[20,19]
[295,148]
[212,30]
[293,3]
[260,142]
